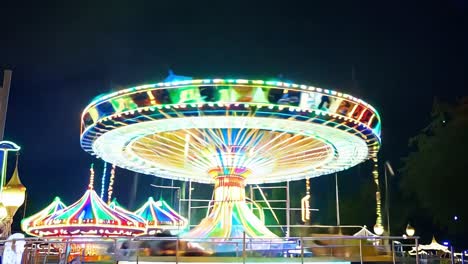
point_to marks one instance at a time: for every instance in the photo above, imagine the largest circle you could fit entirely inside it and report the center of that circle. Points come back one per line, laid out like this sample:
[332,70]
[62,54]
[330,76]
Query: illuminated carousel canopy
[119,208]
[115,205]
[275,131]
[28,224]
[89,216]
[160,216]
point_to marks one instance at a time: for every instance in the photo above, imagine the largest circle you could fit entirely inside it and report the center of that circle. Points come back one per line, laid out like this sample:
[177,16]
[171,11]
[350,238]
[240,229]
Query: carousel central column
[230,215]
[229,188]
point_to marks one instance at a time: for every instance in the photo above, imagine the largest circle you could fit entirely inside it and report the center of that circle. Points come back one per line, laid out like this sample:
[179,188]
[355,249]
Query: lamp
[13,193]
[13,196]
[410,230]
[378,229]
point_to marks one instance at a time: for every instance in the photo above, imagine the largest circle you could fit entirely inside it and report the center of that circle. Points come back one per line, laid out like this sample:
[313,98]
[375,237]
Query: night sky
[402,55]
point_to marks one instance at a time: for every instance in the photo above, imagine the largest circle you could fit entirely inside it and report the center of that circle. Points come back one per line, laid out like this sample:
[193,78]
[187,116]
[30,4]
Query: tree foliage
[435,172]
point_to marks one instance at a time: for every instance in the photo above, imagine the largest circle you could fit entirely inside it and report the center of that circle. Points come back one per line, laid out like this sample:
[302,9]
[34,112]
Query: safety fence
[337,249]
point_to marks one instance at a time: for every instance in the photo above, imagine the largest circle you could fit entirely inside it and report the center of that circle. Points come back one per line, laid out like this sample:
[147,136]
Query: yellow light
[91,177]
[305,212]
[378,208]
[378,229]
[13,193]
[410,231]
[111,184]
[13,197]
[305,204]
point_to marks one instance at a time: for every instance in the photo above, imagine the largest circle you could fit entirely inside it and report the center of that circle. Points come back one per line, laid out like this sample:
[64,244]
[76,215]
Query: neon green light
[239,81]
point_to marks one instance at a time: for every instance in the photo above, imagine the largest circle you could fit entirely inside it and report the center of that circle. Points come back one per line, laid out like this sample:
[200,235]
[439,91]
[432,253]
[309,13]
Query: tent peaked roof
[115,204]
[160,216]
[33,220]
[90,216]
[434,245]
[119,208]
[364,232]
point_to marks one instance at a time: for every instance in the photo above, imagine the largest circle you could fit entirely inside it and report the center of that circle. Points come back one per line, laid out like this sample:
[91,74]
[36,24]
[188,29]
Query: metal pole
[360,250]
[387,200]
[452,259]
[417,251]
[83,253]
[338,222]
[243,248]
[177,251]
[25,204]
[67,252]
[178,198]
[393,251]
[302,250]
[288,207]
[251,197]
[189,203]
[115,251]
[463,257]
[172,194]
[4,94]
[133,190]
[4,169]
[48,252]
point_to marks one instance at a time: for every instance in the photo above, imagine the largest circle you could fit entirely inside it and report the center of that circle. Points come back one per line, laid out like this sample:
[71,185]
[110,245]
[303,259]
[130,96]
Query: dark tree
[435,172]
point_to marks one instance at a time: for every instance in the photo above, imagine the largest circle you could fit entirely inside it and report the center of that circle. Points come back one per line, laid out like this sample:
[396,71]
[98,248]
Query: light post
[452,253]
[388,168]
[5,147]
[13,196]
[452,259]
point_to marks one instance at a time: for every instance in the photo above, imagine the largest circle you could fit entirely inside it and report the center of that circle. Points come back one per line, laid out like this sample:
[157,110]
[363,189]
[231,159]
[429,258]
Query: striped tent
[29,223]
[159,216]
[89,216]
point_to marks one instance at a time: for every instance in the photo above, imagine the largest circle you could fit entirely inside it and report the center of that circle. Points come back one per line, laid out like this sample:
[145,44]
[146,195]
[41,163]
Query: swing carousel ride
[230,133]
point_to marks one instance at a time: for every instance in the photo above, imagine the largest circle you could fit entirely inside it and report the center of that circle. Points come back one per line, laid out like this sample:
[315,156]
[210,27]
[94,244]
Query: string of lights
[378,228]
[91,177]
[111,184]
[103,180]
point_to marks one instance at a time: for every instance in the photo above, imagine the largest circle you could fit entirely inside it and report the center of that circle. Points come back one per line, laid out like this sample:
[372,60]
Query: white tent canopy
[432,246]
[364,232]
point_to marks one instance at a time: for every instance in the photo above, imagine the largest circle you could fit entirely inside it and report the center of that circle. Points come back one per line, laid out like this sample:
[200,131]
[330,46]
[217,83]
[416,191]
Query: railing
[339,249]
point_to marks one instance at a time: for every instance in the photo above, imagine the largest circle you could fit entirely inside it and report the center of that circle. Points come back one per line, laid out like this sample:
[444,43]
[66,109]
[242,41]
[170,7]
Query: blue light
[446,243]
[9,146]
[455,218]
